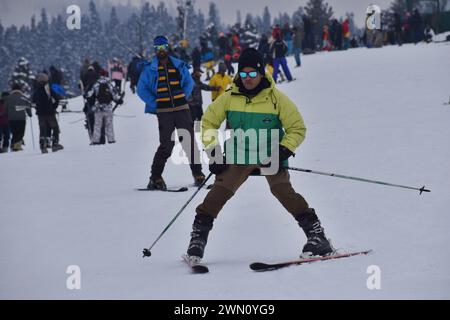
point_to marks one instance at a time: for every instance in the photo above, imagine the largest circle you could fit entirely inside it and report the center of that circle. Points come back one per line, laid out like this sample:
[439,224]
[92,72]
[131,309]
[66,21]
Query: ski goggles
[161,47]
[251,74]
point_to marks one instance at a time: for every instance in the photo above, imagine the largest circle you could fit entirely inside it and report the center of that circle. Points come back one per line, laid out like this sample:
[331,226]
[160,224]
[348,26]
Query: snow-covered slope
[377,114]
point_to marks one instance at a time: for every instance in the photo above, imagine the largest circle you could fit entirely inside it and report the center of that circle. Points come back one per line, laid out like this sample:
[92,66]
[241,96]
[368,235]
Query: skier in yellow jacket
[221,80]
[254,106]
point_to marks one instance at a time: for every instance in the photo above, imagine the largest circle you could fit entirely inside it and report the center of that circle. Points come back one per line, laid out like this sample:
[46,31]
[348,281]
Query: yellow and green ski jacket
[256,116]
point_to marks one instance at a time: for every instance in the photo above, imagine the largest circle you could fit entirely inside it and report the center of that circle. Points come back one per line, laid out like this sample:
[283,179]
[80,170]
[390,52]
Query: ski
[170,189]
[208,187]
[260,266]
[195,266]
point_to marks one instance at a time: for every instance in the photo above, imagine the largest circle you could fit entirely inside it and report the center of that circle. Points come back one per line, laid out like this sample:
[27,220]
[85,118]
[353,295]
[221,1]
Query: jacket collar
[260,96]
[176,63]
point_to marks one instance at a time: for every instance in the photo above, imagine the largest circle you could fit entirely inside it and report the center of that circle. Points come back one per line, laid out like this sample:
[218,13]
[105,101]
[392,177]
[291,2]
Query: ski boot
[317,244]
[56,146]
[43,145]
[156,183]
[199,237]
[17,146]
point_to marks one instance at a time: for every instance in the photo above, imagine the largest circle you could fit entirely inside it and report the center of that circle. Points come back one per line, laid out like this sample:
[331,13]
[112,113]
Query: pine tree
[320,14]
[238,17]
[297,17]
[398,6]
[351,21]
[266,20]
[213,15]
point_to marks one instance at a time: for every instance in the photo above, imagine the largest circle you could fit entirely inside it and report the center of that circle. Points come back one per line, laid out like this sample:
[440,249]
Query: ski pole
[146,251]
[358,179]
[32,133]
[76,121]
[123,116]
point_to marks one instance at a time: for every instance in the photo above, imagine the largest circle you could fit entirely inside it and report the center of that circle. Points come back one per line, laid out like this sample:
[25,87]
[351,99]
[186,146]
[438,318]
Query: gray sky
[20,11]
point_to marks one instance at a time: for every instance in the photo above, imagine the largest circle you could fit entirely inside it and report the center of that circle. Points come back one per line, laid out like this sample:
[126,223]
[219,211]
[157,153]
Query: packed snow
[372,113]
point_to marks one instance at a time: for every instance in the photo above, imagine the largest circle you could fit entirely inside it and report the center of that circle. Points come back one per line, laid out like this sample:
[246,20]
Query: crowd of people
[212,54]
[247,100]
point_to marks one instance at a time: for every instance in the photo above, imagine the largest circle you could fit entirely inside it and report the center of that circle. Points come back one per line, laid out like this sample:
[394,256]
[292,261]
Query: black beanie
[251,58]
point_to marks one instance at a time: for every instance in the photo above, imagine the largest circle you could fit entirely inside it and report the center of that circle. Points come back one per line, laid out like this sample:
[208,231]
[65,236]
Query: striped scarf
[170,94]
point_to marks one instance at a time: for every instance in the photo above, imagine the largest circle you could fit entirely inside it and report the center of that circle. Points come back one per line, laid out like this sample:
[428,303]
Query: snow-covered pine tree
[214,16]
[297,17]
[266,21]
[23,75]
[319,13]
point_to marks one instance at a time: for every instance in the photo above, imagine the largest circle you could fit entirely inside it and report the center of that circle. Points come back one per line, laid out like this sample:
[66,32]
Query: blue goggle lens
[251,74]
[161,47]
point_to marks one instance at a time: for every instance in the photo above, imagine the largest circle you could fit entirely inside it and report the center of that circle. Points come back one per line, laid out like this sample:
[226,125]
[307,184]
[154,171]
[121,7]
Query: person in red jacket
[326,45]
[276,32]
[346,33]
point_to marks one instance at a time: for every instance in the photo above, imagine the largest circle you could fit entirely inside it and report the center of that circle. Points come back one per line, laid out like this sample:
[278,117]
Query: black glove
[217,168]
[284,153]
[120,101]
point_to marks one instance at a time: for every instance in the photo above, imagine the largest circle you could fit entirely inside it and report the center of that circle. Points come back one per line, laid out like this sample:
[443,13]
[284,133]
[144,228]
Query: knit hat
[103,73]
[160,40]
[251,58]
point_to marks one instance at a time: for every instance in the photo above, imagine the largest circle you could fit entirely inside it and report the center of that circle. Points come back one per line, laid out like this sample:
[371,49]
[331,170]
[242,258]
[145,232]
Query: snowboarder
[17,107]
[46,102]
[254,103]
[165,86]
[105,93]
[220,80]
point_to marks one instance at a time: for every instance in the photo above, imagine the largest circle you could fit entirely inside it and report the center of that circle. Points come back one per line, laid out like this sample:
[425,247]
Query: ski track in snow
[375,114]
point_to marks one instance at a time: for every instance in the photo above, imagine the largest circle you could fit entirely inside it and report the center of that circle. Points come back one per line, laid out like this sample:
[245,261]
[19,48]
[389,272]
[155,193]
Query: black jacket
[278,49]
[45,104]
[196,98]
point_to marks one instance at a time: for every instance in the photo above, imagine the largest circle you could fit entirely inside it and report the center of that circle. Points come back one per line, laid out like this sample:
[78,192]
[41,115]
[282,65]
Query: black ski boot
[199,236]
[156,183]
[43,145]
[55,145]
[317,244]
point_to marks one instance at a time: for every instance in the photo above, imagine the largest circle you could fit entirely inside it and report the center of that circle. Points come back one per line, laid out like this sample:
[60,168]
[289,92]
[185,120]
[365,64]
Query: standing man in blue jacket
[165,86]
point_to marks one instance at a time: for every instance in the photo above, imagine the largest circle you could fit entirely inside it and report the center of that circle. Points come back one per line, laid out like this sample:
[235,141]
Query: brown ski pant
[227,183]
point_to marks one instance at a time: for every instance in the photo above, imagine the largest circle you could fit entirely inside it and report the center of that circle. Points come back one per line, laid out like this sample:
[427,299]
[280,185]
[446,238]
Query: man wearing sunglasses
[165,86]
[254,104]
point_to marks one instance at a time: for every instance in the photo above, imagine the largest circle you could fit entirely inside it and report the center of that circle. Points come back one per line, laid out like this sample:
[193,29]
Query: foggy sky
[20,11]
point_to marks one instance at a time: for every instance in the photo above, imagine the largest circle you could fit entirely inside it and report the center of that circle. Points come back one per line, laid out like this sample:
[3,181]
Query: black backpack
[104,95]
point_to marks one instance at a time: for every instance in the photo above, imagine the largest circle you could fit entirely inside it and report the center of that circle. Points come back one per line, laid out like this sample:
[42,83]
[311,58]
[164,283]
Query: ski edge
[261,266]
